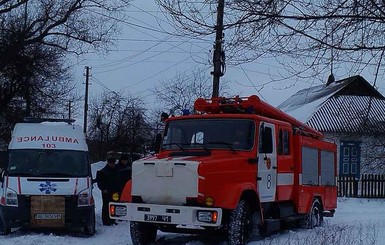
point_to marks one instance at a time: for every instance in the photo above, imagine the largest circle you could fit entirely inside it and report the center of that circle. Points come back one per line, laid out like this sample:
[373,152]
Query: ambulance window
[37,163]
[283,142]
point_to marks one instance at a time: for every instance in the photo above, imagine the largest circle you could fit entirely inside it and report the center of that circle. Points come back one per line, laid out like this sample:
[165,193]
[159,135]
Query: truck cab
[46,182]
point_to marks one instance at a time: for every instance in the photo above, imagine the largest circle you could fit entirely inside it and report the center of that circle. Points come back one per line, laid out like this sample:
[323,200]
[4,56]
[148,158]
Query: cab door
[267,162]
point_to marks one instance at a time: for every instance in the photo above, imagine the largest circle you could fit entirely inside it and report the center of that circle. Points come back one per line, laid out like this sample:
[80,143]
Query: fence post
[364,184]
[355,183]
[371,184]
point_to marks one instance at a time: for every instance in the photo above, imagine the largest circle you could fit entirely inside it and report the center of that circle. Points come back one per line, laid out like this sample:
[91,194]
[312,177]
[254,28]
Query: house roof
[348,105]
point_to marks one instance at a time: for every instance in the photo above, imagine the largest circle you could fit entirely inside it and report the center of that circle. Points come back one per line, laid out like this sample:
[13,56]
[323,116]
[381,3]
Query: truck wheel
[314,218]
[243,224]
[142,233]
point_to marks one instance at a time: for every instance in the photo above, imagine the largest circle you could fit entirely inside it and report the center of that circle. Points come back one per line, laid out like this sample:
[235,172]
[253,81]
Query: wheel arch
[319,199]
[232,194]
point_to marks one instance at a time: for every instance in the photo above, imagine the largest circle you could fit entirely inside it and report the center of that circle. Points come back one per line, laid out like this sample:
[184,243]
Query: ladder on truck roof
[252,105]
[40,120]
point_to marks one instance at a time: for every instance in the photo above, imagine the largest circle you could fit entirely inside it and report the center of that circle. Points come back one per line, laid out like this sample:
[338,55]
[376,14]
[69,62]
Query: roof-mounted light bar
[252,105]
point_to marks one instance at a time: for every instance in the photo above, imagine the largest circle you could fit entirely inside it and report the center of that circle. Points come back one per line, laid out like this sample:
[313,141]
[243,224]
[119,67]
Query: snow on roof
[349,105]
[305,102]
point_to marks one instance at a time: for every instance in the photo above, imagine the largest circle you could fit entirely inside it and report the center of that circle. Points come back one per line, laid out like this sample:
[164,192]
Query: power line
[129,23]
[154,75]
[248,78]
[156,40]
[207,69]
[140,61]
[101,84]
[129,57]
[136,26]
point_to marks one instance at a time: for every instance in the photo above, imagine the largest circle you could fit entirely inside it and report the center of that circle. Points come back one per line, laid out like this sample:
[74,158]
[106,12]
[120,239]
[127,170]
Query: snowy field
[356,222]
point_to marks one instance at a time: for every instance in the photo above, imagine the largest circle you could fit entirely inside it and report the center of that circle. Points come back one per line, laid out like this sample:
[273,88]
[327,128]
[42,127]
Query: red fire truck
[238,166]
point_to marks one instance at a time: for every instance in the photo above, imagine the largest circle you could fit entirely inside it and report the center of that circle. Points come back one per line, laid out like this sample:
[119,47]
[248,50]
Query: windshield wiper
[19,173]
[202,145]
[53,174]
[229,145]
[177,144]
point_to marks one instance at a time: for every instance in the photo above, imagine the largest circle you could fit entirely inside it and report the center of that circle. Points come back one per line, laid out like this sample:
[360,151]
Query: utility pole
[86,100]
[218,56]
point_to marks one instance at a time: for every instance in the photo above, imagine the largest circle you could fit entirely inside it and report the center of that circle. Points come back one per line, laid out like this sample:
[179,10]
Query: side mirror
[2,172]
[158,141]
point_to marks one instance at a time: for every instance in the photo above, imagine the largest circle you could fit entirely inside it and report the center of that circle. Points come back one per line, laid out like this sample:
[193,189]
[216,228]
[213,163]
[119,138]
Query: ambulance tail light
[11,198]
[84,198]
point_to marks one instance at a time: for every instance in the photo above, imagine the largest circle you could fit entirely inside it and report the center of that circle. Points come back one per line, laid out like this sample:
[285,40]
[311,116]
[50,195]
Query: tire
[315,217]
[142,233]
[90,229]
[4,230]
[243,224]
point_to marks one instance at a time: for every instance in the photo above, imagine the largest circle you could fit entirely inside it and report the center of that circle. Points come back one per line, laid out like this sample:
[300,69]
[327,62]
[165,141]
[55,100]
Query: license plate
[157,218]
[48,216]
[120,211]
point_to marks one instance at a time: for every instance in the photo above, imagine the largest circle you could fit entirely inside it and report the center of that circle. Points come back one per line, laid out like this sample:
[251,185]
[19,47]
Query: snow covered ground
[356,221]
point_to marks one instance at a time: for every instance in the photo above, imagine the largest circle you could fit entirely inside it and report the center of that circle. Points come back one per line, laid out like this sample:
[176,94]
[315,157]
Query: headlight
[118,210]
[207,216]
[84,198]
[11,198]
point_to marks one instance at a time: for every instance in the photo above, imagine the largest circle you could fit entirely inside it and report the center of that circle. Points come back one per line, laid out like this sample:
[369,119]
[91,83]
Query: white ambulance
[47,181]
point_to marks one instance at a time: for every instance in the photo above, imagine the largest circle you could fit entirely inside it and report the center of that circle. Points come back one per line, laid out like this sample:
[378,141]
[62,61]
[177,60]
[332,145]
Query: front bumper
[163,214]
[75,217]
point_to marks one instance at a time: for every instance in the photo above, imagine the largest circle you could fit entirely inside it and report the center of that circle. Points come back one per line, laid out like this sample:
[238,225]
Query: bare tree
[9,5]
[306,31]
[71,25]
[181,91]
[35,37]
[118,123]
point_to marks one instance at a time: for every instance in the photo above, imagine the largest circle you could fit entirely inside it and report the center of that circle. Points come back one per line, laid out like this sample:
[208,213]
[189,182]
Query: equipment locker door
[267,162]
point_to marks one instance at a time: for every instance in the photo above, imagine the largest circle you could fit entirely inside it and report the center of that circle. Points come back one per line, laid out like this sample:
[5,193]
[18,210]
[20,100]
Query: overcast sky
[146,54]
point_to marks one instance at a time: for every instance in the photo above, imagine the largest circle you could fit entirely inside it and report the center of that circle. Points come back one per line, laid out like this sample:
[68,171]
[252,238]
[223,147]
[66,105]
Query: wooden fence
[368,186]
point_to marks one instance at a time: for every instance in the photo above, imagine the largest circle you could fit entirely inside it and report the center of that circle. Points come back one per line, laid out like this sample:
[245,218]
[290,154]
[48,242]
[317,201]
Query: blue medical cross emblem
[48,187]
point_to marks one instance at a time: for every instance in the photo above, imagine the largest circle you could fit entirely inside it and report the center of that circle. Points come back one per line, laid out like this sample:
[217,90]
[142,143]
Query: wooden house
[350,112]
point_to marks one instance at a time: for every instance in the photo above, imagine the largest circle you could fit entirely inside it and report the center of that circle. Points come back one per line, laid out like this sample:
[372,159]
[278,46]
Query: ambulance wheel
[314,218]
[90,229]
[243,225]
[142,233]
[5,230]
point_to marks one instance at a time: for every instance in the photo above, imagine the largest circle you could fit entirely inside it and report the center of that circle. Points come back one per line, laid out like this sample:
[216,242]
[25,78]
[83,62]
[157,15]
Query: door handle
[274,167]
[259,178]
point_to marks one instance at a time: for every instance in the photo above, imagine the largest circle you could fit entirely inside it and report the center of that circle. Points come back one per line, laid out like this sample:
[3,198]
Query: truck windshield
[233,134]
[53,163]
